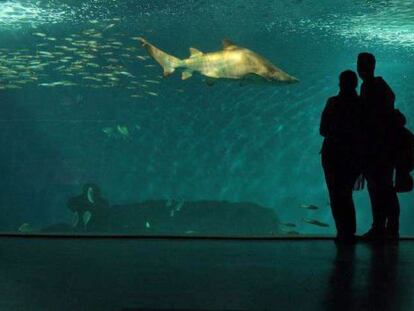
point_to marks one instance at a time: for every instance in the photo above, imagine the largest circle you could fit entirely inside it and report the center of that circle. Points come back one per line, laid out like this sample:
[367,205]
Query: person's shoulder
[332,100]
[381,84]
[363,86]
[380,81]
[330,104]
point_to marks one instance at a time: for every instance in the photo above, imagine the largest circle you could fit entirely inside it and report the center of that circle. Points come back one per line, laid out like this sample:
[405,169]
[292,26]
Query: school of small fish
[313,222]
[98,57]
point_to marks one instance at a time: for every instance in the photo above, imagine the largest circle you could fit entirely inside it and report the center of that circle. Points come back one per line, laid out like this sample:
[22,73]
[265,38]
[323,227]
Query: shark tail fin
[168,62]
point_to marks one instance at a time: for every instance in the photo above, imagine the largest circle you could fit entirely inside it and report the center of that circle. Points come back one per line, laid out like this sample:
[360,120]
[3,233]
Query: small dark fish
[316,223]
[309,206]
[288,224]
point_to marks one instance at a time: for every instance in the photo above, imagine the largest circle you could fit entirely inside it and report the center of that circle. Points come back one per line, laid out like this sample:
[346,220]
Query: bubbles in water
[17,14]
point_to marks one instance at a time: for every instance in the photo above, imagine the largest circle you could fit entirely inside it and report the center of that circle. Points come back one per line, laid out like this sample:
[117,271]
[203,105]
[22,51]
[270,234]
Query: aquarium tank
[110,126]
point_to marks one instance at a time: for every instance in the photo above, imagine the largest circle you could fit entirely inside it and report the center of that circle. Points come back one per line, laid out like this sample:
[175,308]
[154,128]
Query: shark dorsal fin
[228,45]
[195,52]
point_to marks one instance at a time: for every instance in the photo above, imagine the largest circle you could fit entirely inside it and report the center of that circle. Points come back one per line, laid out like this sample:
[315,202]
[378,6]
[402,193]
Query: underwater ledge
[100,236]
[175,219]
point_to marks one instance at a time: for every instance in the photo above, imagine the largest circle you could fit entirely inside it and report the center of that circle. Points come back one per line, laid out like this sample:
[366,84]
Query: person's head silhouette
[366,65]
[348,81]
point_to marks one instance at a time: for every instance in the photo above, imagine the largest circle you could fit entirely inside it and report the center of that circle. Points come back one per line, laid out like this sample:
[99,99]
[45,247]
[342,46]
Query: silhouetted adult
[377,100]
[341,157]
[89,208]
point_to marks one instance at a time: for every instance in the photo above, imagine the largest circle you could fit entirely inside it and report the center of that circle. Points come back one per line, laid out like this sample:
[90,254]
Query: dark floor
[88,274]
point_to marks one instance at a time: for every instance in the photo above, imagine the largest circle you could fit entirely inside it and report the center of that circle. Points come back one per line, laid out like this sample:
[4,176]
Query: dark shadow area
[386,287]
[341,294]
[166,274]
[379,283]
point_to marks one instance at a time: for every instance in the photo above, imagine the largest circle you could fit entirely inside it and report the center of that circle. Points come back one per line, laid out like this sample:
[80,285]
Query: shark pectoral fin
[168,71]
[186,74]
[195,52]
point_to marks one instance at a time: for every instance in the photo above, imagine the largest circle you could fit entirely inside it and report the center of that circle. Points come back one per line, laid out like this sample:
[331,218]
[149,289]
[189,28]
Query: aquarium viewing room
[203,155]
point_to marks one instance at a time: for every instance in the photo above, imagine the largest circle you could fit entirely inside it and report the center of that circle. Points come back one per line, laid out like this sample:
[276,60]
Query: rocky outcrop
[194,218]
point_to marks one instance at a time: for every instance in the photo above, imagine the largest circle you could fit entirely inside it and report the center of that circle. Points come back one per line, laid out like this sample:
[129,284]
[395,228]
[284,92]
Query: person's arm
[326,119]
[389,96]
[359,183]
[362,92]
[399,119]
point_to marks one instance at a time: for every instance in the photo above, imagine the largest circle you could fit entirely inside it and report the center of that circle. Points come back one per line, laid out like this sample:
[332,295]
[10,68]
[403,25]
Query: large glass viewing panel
[85,109]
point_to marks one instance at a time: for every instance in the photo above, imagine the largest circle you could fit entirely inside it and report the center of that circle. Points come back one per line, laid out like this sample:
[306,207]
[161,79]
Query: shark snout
[292,80]
[285,79]
[282,77]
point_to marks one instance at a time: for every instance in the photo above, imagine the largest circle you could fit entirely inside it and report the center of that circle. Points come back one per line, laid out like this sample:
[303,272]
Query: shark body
[232,62]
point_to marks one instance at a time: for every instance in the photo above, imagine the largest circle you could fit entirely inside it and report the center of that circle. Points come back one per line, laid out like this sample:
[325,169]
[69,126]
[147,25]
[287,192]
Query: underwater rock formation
[194,218]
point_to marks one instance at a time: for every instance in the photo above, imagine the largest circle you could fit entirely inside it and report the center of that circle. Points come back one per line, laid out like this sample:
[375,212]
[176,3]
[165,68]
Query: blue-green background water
[185,140]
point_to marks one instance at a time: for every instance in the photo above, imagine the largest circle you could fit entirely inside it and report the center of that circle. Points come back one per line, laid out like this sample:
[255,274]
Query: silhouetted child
[90,209]
[341,156]
[377,100]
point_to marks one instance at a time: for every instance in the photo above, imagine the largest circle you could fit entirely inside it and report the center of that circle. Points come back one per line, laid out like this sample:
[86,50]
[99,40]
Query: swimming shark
[232,62]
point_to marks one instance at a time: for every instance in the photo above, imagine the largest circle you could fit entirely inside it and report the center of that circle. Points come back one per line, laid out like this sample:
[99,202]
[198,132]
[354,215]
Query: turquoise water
[81,101]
